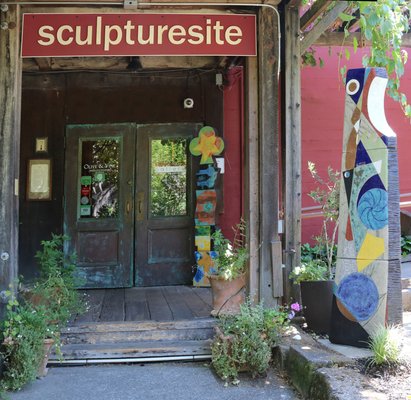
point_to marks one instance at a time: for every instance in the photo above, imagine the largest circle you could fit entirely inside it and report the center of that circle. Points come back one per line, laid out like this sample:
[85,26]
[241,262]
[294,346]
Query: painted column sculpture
[206,145]
[367,291]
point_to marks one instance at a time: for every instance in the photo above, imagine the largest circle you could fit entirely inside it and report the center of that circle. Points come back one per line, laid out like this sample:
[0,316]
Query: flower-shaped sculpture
[207,144]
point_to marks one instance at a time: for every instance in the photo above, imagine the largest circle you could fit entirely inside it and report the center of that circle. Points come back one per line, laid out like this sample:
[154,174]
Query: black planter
[316,297]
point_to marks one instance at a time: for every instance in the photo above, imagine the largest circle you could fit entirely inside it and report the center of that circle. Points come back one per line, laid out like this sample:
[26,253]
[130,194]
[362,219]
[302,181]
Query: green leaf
[346,17]
[321,62]
[355,44]
[347,54]
[386,27]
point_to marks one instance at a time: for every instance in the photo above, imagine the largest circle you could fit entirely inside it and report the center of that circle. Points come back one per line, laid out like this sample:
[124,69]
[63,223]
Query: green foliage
[327,195]
[56,288]
[43,311]
[385,345]
[168,189]
[232,257]
[383,23]
[23,332]
[313,270]
[405,245]
[245,341]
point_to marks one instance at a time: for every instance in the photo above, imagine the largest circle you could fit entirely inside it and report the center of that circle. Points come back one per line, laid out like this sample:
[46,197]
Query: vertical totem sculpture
[369,233]
[206,145]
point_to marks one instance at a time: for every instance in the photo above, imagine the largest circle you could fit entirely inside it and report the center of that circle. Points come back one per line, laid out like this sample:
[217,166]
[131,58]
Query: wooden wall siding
[269,142]
[50,101]
[10,81]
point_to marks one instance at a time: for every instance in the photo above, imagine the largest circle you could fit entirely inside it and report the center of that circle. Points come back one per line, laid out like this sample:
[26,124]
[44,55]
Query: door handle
[140,206]
[128,208]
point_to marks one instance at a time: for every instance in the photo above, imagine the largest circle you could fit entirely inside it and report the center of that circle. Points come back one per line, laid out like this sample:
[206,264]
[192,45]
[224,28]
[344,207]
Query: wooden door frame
[10,77]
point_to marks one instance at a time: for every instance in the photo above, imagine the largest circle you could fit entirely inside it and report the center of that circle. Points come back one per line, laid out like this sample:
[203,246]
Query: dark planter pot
[316,297]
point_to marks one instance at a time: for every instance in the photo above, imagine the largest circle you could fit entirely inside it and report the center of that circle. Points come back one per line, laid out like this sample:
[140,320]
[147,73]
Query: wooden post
[269,176]
[252,175]
[10,94]
[292,183]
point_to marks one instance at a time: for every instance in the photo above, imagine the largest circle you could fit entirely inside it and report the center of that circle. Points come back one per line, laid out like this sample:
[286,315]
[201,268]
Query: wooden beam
[10,99]
[292,175]
[337,39]
[252,175]
[322,25]
[44,63]
[269,141]
[148,2]
[313,13]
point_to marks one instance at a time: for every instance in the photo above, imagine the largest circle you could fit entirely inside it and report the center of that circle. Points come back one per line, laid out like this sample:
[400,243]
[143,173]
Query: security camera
[188,103]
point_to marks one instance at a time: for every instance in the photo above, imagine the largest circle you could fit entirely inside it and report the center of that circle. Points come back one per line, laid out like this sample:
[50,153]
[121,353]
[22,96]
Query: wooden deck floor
[166,303]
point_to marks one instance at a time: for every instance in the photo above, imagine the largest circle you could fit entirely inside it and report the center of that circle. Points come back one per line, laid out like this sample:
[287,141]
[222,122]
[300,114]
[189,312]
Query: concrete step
[139,351]
[121,332]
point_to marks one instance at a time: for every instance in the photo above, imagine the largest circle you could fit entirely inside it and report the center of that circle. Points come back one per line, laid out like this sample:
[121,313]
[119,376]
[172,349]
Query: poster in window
[39,180]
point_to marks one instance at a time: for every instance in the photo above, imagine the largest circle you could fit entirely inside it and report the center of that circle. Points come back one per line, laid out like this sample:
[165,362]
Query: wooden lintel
[149,2]
[338,39]
[44,63]
[322,25]
[313,13]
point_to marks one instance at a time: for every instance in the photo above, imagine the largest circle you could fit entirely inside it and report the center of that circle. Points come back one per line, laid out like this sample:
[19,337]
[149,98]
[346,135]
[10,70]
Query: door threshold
[90,361]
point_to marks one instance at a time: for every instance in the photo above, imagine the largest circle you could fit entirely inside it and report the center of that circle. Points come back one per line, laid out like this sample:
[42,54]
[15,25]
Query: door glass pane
[168,189]
[99,180]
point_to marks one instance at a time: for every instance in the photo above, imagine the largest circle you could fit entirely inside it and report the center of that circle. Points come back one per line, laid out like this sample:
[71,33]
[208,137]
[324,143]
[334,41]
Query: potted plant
[244,341]
[228,280]
[316,271]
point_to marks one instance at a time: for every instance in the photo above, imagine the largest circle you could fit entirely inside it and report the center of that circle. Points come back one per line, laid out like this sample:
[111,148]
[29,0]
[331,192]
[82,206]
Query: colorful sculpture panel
[369,237]
[206,145]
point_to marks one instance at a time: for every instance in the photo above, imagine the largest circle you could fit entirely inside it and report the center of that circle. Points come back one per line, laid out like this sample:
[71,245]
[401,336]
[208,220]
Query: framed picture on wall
[39,179]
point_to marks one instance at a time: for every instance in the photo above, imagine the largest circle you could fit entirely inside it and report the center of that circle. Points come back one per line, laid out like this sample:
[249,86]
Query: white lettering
[195,31]
[177,31]
[233,31]
[98,31]
[89,38]
[60,39]
[150,38]
[208,31]
[218,28]
[108,41]
[46,35]
[160,31]
[128,28]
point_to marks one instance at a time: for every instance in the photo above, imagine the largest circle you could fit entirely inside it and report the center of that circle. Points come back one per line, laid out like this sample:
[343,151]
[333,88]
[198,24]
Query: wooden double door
[129,203]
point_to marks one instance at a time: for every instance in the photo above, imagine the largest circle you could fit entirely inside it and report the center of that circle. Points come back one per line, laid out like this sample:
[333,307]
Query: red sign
[85,190]
[71,35]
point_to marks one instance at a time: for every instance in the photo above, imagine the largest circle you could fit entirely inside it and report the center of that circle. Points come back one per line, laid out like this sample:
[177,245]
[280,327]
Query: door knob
[140,206]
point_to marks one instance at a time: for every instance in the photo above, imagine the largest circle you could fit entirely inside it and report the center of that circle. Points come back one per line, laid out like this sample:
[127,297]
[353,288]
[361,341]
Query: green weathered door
[164,205]
[129,203]
[99,187]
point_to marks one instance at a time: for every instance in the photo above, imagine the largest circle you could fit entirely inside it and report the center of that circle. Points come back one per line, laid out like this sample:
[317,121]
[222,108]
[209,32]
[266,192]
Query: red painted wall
[323,97]
[233,153]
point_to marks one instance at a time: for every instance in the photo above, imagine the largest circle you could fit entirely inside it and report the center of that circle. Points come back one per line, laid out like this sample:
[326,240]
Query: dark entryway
[129,203]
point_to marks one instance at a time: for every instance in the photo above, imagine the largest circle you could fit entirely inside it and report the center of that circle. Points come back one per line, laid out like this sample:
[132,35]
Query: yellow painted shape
[203,243]
[372,248]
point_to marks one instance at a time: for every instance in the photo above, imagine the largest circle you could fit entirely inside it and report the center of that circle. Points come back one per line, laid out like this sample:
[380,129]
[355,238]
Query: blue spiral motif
[373,208]
[359,294]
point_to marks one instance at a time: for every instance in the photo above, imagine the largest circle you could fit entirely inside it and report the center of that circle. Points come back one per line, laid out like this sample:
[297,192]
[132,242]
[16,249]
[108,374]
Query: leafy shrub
[245,340]
[405,245]
[232,257]
[23,333]
[385,345]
